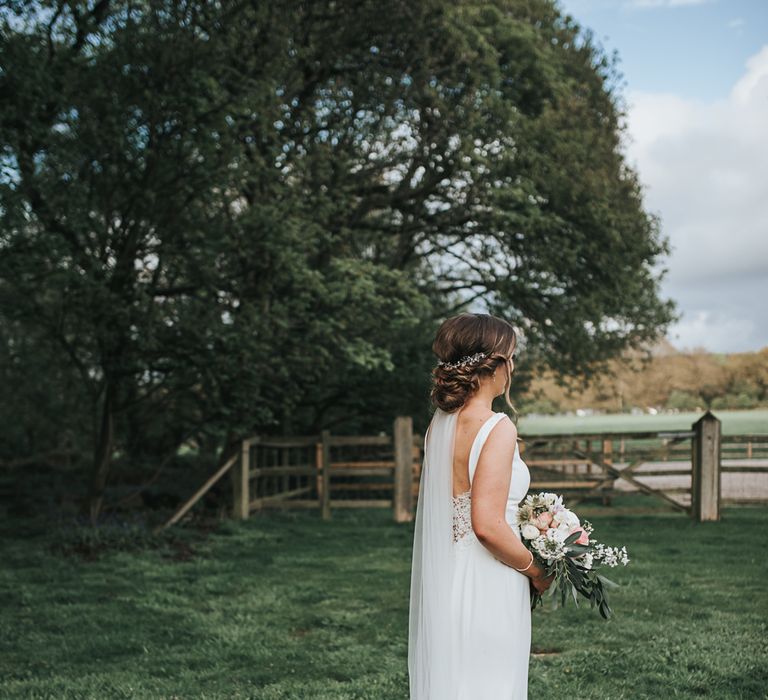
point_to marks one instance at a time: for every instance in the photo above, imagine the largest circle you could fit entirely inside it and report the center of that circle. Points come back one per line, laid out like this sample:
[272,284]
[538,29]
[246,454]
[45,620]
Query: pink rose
[583,537]
[543,520]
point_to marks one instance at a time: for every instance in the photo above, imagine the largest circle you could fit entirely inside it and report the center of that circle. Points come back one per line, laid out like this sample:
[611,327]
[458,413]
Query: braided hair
[468,347]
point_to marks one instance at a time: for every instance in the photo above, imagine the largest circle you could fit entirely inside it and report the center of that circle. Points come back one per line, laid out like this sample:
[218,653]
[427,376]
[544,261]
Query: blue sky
[693,49]
[696,85]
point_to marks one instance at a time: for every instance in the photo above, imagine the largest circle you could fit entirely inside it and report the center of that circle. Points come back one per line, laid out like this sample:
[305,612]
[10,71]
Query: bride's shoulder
[504,430]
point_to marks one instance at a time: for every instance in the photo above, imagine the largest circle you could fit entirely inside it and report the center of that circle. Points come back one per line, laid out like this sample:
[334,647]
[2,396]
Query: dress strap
[479,441]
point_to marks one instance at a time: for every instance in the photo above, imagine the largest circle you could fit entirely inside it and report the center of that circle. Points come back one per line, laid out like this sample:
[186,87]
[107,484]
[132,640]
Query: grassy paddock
[733,422]
[287,606]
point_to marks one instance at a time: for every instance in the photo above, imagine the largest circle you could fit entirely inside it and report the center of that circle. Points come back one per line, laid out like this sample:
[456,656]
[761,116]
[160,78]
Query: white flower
[566,517]
[610,556]
[557,534]
[623,558]
[529,531]
[524,514]
[586,560]
[550,546]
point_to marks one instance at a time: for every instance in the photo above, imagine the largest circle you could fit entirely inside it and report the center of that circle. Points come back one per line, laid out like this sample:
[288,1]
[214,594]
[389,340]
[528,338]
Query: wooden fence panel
[299,471]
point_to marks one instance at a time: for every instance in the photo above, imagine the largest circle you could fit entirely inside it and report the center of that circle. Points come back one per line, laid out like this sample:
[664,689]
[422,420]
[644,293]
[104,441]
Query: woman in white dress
[470,618]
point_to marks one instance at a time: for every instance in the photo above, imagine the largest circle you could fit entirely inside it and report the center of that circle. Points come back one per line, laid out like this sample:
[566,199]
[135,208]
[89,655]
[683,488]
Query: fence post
[241,482]
[319,467]
[403,449]
[325,474]
[607,459]
[285,461]
[705,479]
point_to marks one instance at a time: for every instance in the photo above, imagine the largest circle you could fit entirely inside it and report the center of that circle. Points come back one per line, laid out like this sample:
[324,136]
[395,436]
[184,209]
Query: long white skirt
[492,609]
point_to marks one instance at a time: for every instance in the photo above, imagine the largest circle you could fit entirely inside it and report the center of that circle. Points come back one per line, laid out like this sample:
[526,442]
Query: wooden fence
[330,471]
[681,468]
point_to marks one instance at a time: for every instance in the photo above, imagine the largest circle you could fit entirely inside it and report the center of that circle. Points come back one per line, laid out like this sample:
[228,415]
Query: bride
[469,633]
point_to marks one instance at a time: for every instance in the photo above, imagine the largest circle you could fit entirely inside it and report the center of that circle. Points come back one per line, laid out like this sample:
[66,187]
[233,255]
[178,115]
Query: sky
[696,87]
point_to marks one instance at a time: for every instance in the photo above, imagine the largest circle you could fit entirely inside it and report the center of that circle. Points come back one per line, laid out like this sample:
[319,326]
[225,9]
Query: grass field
[287,606]
[733,422]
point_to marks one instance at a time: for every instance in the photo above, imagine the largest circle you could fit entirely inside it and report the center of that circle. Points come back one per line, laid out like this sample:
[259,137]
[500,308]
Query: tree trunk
[102,456]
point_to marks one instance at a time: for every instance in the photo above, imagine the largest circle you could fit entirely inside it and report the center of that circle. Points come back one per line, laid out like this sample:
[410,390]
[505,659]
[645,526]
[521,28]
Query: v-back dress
[490,600]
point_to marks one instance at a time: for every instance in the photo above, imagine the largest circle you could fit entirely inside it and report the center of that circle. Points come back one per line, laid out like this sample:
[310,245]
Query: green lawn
[288,606]
[733,422]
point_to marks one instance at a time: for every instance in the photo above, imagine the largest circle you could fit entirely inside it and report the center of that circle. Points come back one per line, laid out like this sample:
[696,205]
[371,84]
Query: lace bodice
[462,517]
[463,534]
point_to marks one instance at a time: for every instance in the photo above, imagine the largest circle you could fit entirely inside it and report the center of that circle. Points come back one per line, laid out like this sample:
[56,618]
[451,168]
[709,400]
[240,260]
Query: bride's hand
[541,584]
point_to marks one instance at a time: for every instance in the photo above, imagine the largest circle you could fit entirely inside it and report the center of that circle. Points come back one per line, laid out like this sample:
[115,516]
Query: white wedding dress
[479,648]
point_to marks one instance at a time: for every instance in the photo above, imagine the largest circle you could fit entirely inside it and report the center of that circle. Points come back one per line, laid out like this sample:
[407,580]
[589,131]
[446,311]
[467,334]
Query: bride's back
[468,425]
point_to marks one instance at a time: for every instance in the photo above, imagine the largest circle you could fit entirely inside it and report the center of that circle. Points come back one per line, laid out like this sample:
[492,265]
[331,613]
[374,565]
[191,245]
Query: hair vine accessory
[467,360]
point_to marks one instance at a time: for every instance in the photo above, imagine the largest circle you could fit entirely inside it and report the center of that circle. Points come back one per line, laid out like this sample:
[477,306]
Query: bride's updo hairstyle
[463,336]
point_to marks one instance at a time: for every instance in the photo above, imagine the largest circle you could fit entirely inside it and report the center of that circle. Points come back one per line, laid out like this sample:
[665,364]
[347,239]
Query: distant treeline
[667,380]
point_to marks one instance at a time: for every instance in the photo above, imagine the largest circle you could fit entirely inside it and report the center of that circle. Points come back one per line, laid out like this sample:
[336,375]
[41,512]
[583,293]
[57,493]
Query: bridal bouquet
[562,545]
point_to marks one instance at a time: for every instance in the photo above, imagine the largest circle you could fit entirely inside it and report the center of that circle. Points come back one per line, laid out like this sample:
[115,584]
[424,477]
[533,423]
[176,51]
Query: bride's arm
[490,490]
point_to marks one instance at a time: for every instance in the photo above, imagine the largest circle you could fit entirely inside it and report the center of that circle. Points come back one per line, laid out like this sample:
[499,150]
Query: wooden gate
[585,465]
[330,471]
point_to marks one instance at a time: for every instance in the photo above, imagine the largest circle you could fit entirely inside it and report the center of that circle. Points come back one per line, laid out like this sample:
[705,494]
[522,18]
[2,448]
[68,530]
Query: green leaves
[259,230]
[576,550]
[604,580]
[572,538]
[598,597]
[572,580]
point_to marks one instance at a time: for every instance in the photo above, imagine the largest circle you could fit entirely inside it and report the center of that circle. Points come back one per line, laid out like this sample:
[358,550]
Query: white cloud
[713,331]
[705,167]
[722,316]
[736,22]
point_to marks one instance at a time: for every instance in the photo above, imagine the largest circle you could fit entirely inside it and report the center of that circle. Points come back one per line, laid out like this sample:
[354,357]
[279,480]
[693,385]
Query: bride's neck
[482,399]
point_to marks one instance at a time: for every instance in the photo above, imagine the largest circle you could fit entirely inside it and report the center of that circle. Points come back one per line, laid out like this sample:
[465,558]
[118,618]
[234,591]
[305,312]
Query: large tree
[250,216]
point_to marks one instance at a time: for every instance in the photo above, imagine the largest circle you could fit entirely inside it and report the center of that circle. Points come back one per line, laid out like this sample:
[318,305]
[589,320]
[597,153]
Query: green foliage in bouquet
[572,578]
